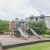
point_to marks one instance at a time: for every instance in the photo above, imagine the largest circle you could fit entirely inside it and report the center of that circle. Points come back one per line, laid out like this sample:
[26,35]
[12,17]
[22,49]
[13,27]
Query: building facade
[40,18]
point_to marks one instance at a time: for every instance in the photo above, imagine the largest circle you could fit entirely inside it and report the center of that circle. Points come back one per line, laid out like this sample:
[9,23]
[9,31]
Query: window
[36,19]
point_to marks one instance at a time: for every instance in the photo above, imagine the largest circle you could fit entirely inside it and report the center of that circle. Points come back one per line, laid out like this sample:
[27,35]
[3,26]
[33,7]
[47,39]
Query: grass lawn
[46,35]
[39,46]
[0,48]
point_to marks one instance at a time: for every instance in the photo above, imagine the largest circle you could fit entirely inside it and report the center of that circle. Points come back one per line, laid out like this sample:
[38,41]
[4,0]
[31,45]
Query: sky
[11,9]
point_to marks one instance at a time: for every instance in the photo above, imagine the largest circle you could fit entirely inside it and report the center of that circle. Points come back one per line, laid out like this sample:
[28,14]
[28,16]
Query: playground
[7,41]
[20,36]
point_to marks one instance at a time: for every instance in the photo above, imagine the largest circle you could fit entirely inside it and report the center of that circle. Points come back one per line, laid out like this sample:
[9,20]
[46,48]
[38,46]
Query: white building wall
[47,21]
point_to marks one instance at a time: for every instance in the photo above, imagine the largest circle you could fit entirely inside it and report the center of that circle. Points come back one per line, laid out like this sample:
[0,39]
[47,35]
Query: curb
[23,44]
[1,47]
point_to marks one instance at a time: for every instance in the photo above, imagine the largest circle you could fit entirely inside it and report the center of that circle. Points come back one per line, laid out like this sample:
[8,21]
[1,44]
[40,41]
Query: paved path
[8,40]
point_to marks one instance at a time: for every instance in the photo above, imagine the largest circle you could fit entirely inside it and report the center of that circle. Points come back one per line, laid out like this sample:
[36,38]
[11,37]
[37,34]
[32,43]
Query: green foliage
[48,32]
[4,26]
[29,32]
[39,27]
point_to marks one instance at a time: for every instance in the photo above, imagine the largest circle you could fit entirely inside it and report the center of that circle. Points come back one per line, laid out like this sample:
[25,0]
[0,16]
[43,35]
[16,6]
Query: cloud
[28,11]
[47,14]
[41,11]
[14,4]
[23,8]
[2,13]
[19,6]
[42,4]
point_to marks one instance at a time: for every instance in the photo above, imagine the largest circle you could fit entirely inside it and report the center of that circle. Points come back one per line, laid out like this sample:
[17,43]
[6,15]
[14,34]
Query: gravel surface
[8,40]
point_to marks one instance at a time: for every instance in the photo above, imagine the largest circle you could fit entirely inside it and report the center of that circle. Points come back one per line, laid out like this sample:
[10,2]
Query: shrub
[29,32]
[48,32]
[39,27]
[4,26]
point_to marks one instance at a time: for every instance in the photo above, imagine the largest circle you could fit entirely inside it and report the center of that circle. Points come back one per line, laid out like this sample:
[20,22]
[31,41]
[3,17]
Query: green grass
[46,35]
[39,46]
[1,48]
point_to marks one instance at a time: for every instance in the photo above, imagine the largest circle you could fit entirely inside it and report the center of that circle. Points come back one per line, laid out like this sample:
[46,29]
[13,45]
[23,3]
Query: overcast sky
[11,9]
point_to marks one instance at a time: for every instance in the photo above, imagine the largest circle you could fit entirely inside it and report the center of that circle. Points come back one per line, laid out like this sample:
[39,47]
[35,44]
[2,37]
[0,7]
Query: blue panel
[30,26]
[18,25]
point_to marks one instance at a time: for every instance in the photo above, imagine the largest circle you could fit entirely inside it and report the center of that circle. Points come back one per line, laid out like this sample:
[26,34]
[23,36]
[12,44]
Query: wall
[47,21]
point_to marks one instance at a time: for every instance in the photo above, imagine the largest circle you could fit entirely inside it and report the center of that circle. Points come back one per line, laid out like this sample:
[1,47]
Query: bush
[48,32]
[39,27]
[29,32]
[4,26]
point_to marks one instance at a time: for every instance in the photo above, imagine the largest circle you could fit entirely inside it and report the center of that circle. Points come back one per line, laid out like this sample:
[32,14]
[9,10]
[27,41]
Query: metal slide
[23,33]
[35,33]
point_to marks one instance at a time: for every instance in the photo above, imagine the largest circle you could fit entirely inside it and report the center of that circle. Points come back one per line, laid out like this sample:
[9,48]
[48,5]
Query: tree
[39,27]
[4,26]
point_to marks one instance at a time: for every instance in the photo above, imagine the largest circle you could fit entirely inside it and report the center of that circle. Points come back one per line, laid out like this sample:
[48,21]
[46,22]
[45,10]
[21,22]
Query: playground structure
[19,29]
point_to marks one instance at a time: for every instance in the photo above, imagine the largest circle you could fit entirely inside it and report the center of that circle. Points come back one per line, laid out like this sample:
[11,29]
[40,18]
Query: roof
[21,21]
[42,16]
[31,16]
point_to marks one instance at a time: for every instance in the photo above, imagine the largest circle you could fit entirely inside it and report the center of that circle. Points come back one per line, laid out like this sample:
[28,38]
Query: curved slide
[23,33]
[35,33]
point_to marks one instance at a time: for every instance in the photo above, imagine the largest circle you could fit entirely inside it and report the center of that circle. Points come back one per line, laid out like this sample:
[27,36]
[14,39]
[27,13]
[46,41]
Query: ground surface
[39,46]
[8,40]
